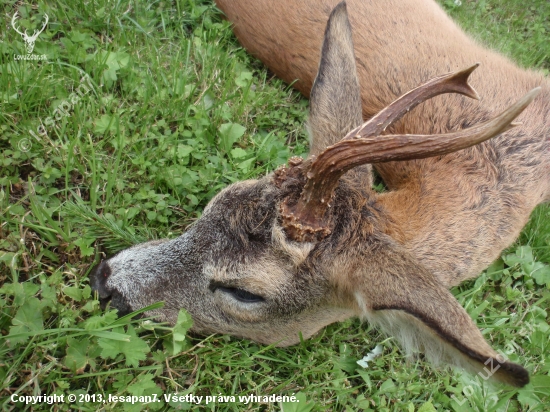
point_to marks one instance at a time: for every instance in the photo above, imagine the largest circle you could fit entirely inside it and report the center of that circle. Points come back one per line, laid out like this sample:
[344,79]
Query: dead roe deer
[312,243]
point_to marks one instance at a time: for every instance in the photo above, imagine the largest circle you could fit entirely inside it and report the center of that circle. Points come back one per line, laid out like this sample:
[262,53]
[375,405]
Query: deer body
[468,205]
[312,243]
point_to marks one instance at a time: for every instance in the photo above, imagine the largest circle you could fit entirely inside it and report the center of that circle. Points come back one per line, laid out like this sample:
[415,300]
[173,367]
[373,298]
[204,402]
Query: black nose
[98,281]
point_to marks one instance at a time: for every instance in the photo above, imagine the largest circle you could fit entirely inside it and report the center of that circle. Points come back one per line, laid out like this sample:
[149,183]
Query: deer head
[29,40]
[285,255]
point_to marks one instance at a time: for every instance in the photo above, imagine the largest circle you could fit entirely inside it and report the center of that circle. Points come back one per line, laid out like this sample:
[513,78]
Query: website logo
[30,40]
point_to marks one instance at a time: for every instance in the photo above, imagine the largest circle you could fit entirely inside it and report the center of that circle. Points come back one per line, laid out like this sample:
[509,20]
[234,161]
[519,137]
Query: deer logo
[29,40]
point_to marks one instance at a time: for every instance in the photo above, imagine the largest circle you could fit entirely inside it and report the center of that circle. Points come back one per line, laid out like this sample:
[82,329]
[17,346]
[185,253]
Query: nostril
[103,269]
[98,280]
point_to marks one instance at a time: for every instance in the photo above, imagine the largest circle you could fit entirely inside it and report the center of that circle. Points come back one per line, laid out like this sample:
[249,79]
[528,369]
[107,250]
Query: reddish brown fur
[466,206]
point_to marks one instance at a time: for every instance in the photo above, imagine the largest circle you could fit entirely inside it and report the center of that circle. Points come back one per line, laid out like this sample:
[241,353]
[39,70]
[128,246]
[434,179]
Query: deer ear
[408,302]
[335,101]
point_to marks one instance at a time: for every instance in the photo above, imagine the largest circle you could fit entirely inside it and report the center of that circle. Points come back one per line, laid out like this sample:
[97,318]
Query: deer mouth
[108,296]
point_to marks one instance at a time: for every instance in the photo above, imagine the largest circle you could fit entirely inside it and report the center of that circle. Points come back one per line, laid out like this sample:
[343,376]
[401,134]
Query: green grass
[173,111]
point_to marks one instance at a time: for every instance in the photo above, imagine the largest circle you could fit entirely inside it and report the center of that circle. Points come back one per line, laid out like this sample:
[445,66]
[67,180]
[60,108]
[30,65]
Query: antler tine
[13,19]
[455,82]
[306,219]
[45,21]
[37,32]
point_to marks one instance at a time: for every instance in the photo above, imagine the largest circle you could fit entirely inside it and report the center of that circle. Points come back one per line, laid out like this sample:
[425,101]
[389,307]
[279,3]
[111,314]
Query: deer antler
[456,82]
[13,19]
[37,32]
[306,220]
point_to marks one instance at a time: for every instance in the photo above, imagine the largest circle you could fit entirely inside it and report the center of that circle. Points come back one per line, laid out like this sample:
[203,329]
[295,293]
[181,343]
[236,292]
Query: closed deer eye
[241,295]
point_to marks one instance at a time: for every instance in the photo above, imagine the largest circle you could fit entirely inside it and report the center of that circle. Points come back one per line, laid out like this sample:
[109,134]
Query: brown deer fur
[469,205]
[389,258]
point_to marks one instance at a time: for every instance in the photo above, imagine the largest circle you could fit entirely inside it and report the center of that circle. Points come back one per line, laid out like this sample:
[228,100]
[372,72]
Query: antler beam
[307,220]
[13,20]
